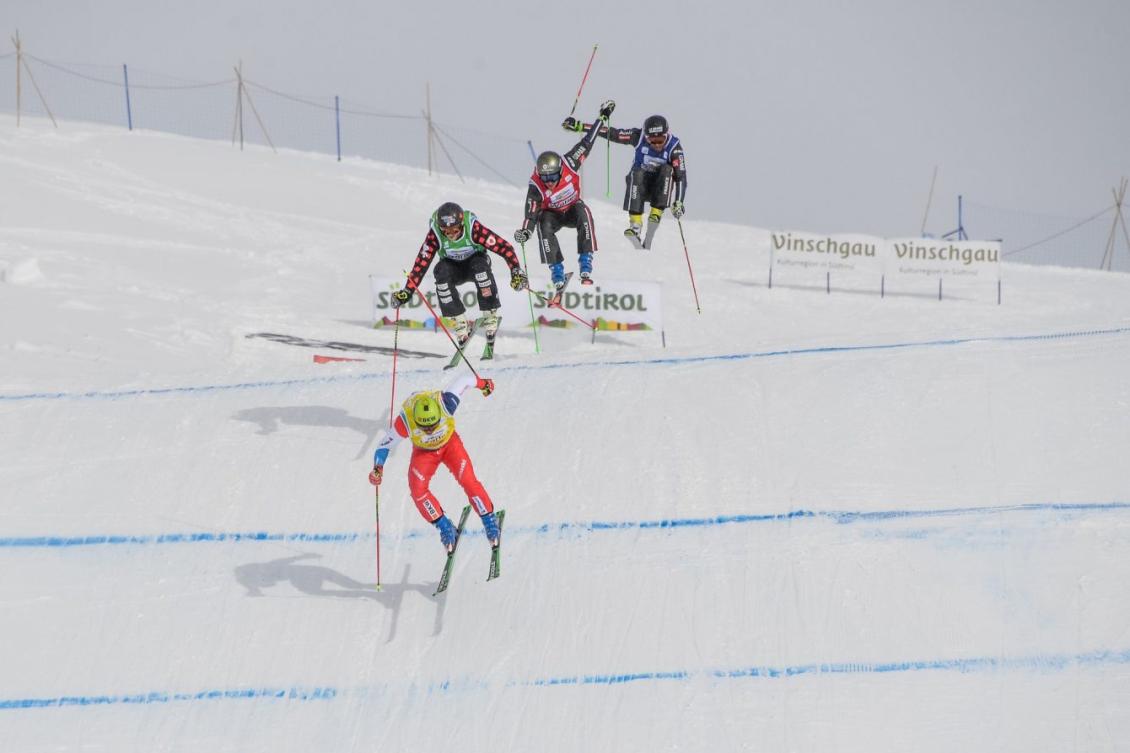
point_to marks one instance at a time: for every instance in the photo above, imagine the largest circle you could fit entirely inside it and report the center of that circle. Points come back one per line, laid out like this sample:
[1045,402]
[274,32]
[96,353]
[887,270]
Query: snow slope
[813,522]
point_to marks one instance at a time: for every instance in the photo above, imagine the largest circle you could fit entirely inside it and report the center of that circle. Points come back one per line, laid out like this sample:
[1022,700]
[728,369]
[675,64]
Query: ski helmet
[656,125]
[426,411]
[448,215]
[549,167]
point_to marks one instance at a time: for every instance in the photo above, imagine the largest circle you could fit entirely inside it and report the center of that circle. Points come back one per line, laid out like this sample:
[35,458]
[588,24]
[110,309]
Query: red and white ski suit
[430,449]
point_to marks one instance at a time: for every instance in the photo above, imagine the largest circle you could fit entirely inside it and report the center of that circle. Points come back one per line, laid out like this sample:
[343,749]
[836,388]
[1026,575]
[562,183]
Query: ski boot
[490,528]
[634,233]
[462,329]
[585,262]
[557,274]
[491,321]
[447,532]
[653,219]
[560,281]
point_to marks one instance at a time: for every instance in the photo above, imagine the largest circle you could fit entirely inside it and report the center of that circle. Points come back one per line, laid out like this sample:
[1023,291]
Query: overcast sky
[825,116]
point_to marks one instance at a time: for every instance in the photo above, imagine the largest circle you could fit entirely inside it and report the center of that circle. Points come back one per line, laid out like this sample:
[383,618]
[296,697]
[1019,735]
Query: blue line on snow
[199,389]
[291,694]
[1037,663]
[1049,662]
[843,517]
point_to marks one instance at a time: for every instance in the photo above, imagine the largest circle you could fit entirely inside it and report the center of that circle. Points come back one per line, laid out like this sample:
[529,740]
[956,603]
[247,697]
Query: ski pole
[391,418]
[689,269]
[447,332]
[582,86]
[608,168]
[549,305]
[530,298]
[376,507]
[395,350]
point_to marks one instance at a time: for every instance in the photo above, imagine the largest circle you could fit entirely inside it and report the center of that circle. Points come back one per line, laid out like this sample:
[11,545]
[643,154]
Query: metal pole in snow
[129,110]
[337,121]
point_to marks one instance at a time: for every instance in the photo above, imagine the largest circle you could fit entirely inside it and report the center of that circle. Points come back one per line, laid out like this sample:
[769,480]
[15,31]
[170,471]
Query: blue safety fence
[332,124]
[329,123]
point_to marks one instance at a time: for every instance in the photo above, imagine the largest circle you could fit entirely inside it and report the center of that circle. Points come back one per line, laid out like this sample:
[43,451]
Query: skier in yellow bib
[428,420]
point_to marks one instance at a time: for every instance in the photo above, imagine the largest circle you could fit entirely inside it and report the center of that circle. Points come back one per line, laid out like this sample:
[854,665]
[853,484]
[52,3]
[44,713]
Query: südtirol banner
[611,306]
[836,260]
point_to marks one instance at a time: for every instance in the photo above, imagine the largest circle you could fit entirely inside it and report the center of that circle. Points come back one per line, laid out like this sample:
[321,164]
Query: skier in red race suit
[553,200]
[428,420]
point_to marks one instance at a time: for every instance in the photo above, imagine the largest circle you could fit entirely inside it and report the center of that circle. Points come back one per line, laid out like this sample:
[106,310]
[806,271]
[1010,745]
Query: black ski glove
[401,297]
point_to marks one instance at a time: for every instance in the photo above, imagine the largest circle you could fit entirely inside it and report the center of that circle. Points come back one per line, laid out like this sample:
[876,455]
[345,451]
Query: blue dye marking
[143,699]
[842,517]
[349,378]
[1050,662]
[33,542]
[1037,663]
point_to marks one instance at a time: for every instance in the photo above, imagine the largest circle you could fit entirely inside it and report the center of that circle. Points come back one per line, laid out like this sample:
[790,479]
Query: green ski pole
[530,297]
[608,165]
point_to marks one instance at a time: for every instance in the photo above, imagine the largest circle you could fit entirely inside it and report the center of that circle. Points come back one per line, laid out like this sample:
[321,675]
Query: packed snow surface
[811,521]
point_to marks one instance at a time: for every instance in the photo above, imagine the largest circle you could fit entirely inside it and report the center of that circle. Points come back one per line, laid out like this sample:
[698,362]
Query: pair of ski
[645,242]
[495,551]
[488,348]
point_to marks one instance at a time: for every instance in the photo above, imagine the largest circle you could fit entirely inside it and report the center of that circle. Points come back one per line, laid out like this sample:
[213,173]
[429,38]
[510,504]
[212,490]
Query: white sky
[814,115]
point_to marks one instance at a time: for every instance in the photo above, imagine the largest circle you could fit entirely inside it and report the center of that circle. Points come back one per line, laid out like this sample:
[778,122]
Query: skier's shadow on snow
[317,580]
[272,419]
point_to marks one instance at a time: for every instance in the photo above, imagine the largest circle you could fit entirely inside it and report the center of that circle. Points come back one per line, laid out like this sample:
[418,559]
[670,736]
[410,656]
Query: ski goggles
[551,178]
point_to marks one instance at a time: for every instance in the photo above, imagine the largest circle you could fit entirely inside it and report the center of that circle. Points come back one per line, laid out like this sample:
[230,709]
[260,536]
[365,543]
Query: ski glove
[572,124]
[518,279]
[521,235]
[401,297]
[485,386]
[678,210]
[606,109]
[376,475]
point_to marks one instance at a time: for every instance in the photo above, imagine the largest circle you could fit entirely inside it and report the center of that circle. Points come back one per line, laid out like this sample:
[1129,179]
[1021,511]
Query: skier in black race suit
[659,170]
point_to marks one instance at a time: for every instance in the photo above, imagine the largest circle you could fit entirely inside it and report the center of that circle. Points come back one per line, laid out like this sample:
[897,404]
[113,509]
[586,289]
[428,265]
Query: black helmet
[449,214]
[549,167]
[656,125]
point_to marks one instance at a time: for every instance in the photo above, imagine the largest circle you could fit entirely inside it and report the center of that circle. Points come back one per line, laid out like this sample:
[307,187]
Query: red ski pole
[689,269]
[549,305]
[583,80]
[391,418]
